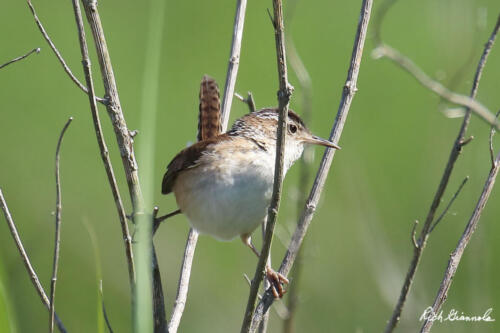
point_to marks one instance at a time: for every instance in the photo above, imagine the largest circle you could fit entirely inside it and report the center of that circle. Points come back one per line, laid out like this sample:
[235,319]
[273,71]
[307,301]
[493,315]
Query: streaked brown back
[209,122]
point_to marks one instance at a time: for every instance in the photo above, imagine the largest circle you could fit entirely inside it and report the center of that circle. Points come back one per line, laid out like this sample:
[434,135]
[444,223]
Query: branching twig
[57,239]
[248,101]
[26,260]
[37,50]
[436,87]
[456,256]
[284,94]
[58,54]
[158,220]
[234,61]
[102,145]
[455,152]
[449,204]
[307,215]
[123,138]
[182,287]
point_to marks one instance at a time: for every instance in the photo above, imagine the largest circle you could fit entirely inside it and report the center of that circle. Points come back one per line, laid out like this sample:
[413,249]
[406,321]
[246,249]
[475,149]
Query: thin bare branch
[57,238]
[26,260]
[248,101]
[102,145]
[265,320]
[456,149]
[123,138]
[310,207]
[192,238]
[456,256]
[284,94]
[449,204]
[58,54]
[408,65]
[159,315]
[37,50]
[305,83]
[234,61]
[158,220]
[183,286]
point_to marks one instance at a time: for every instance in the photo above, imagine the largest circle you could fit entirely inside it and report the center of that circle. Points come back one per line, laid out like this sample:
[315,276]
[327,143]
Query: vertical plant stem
[149,268]
[125,144]
[234,61]
[306,91]
[123,137]
[284,94]
[310,207]
[102,144]
[183,285]
[192,239]
[57,238]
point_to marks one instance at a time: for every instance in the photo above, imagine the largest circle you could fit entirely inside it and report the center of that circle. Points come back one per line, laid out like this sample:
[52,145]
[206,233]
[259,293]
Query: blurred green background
[395,145]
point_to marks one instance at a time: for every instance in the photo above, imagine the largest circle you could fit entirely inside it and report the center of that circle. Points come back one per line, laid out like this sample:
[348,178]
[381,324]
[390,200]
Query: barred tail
[209,122]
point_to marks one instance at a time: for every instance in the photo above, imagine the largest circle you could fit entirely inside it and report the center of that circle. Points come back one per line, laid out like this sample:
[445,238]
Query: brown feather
[187,158]
[209,127]
[209,122]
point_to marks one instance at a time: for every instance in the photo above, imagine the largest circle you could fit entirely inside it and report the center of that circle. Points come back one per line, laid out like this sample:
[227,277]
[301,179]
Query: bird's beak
[313,139]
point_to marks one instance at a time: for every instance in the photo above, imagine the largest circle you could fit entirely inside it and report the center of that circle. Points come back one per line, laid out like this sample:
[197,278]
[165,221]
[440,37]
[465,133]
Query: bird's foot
[277,281]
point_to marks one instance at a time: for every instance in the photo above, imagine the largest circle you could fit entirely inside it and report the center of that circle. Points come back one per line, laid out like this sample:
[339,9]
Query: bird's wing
[188,158]
[209,129]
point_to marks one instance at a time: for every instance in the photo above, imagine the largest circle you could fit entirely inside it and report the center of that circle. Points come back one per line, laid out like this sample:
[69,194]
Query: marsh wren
[224,182]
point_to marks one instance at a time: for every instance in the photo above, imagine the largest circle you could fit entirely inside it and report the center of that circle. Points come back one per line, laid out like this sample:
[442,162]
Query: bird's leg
[276,279]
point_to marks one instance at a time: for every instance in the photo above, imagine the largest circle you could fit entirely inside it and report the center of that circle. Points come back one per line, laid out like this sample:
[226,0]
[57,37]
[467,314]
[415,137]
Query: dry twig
[57,238]
[58,54]
[284,94]
[102,145]
[234,61]
[37,50]
[449,204]
[183,285]
[310,207]
[115,112]
[456,256]
[248,101]
[456,149]
[306,90]
[26,260]
[408,65]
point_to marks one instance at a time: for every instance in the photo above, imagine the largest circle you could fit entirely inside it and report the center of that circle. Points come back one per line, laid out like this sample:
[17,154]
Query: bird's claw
[277,280]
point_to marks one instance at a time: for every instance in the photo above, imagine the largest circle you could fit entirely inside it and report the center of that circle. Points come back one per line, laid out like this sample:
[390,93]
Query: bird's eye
[292,128]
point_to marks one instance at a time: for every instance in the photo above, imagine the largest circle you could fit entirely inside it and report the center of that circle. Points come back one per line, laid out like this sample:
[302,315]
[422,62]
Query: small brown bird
[224,182]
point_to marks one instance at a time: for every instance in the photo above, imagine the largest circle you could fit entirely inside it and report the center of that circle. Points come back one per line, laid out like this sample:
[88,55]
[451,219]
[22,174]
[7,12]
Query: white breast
[228,193]
[229,197]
